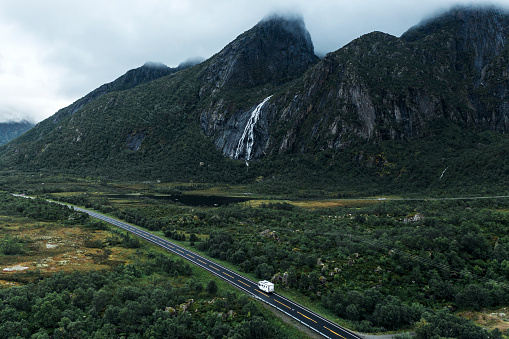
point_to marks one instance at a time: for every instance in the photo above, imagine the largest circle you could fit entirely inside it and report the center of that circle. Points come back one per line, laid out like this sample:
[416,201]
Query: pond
[190,200]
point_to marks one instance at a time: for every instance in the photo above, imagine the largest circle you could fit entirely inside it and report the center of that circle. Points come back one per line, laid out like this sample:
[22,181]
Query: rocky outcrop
[269,234]
[380,87]
[413,218]
[274,51]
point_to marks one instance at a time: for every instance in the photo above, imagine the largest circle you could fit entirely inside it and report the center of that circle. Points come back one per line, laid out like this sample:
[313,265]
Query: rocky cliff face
[476,44]
[246,134]
[275,51]
[472,36]
[380,87]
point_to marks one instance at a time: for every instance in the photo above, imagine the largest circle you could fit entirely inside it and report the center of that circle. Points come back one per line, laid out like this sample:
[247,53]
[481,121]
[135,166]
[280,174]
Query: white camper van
[266,286]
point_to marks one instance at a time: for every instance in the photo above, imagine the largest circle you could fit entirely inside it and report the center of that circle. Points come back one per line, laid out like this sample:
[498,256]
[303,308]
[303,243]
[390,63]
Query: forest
[374,265]
[382,267]
[156,296]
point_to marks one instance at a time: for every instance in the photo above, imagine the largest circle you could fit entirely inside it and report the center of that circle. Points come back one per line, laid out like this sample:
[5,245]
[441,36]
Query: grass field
[53,247]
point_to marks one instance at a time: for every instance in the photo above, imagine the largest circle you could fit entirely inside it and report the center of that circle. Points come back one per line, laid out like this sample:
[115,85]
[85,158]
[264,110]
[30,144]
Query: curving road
[303,315]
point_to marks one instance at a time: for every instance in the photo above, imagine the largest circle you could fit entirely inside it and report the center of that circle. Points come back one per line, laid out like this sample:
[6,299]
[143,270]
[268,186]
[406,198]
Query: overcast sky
[53,52]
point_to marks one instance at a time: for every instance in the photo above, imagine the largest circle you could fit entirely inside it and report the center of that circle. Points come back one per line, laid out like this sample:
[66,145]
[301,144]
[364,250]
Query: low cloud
[56,51]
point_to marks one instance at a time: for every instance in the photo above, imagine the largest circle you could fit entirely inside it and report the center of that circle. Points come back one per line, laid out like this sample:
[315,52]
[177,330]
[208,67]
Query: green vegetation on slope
[474,163]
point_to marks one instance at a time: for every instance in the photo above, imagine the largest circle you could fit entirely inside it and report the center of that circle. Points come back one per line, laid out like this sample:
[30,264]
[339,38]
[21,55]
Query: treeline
[102,205]
[158,298]
[38,209]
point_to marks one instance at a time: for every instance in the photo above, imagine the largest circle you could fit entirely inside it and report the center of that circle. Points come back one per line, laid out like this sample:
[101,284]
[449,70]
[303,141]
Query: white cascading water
[249,132]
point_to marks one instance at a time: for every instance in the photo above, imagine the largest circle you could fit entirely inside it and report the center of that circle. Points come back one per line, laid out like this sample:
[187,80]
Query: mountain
[161,119]
[148,72]
[380,87]
[267,96]
[11,130]
[274,52]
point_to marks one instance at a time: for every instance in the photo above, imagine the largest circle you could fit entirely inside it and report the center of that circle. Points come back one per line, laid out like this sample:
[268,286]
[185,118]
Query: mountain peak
[462,21]
[289,23]
[284,17]
[153,64]
[277,49]
[474,34]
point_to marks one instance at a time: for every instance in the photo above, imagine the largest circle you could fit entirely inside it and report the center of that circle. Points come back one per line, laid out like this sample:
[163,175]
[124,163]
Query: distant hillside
[148,72]
[12,130]
[266,99]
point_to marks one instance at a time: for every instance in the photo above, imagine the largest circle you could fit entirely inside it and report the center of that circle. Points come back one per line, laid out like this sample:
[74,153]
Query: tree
[11,245]
[48,311]
[392,313]
[211,287]
[445,324]
[264,271]
[474,296]
[352,312]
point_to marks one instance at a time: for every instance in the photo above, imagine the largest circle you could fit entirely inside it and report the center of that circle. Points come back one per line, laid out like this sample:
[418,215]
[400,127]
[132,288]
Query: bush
[211,287]
[11,246]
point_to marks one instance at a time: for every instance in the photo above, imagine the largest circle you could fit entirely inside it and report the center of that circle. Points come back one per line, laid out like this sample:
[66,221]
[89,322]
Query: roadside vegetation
[65,275]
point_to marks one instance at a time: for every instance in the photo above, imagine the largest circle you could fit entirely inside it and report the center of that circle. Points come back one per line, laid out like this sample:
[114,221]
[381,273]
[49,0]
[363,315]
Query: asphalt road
[299,313]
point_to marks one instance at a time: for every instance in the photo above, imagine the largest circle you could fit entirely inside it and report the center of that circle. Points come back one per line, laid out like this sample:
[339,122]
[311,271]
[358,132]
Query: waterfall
[248,134]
